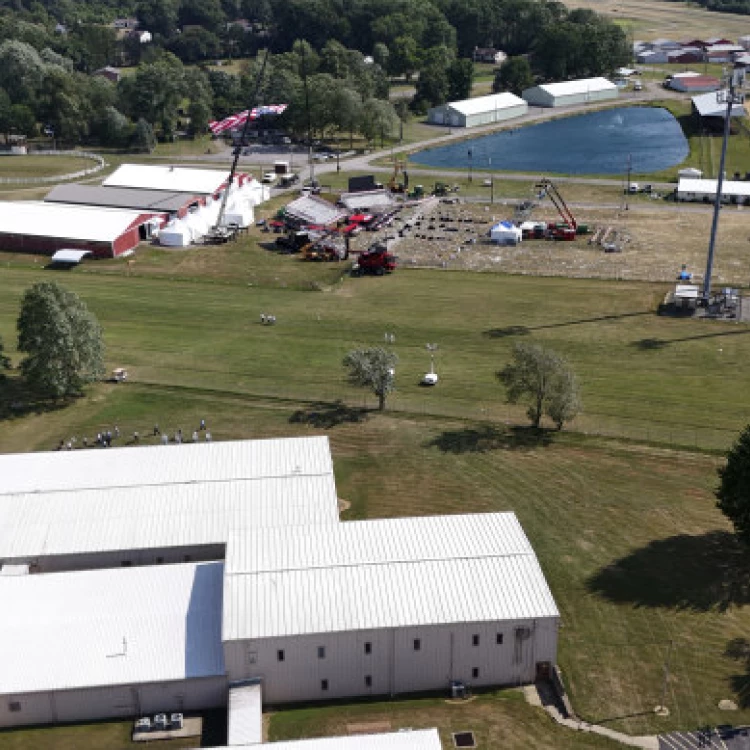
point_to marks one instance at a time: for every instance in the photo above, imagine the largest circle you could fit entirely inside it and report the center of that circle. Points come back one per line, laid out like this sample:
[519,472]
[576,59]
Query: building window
[475,640]
[368,647]
[474,673]
[324,684]
[417,644]
[321,652]
[499,639]
[280,655]
[14,707]
[186,558]
[159,560]
[368,680]
[126,563]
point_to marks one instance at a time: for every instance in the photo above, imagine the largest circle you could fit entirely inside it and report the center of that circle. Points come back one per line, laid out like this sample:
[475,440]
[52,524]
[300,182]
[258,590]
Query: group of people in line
[104,439]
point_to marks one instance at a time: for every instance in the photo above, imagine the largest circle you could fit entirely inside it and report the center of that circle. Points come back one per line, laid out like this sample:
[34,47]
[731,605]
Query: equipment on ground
[331,247]
[394,185]
[375,261]
[220,234]
[443,188]
[565,230]
[294,242]
[417,193]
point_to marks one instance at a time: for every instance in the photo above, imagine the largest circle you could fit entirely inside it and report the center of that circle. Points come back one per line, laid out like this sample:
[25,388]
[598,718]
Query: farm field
[652,19]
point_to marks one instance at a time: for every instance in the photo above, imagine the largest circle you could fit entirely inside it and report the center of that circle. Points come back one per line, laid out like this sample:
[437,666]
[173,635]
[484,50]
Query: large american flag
[238,120]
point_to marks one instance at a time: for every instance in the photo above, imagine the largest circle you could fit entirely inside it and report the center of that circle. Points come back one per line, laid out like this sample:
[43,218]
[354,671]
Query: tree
[4,360]
[372,368]
[542,378]
[733,493]
[158,16]
[460,76]
[62,340]
[144,139]
[514,75]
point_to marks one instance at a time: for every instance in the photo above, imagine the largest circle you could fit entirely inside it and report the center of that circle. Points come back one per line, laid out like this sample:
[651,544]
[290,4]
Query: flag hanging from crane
[238,120]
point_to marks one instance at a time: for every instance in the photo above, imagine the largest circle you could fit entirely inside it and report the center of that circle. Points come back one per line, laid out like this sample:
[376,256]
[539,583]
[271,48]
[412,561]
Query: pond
[594,143]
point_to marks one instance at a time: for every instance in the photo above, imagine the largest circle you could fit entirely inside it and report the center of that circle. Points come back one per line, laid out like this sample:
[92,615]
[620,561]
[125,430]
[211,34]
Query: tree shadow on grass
[694,573]
[489,438]
[326,415]
[738,649]
[17,400]
[502,333]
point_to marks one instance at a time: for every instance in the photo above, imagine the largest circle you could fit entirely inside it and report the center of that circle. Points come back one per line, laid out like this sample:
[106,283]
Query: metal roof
[376,542]
[245,714]
[98,500]
[383,574]
[98,195]
[367,200]
[493,102]
[313,210]
[158,516]
[709,187]
[39,219]
[412,739]
[70,256]
[163,464]
[110,627]
[708,105]
[583,86]
[174,179]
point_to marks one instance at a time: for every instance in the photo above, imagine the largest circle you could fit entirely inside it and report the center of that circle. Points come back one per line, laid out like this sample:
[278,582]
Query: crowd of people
[107,437]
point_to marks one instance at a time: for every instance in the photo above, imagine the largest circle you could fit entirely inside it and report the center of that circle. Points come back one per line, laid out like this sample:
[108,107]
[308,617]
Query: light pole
[627,184]
[492,180]
[470,155]
[731,96]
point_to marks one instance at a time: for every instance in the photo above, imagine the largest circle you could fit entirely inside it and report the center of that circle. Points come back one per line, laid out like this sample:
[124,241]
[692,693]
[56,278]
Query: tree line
[330,58]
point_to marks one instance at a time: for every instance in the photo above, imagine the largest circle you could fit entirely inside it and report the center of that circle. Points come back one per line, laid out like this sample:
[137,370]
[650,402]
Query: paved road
[729,739]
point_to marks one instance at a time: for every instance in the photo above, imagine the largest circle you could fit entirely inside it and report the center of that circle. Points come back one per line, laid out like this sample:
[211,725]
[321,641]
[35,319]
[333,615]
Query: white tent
[175,234]
[505,233]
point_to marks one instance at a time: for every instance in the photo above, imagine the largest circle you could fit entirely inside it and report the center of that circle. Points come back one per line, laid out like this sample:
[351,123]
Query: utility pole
[731,96]
[470,165]
[492,181]
[627,184]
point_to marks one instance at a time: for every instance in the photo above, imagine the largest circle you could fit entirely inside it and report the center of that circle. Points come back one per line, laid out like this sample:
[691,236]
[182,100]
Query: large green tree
[543,380]
[733,494]
[373,368]
[4,359]
[62,341]
[513,75]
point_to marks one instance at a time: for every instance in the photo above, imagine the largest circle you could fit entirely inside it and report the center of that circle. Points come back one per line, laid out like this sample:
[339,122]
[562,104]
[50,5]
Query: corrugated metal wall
[393,664]
[125,701]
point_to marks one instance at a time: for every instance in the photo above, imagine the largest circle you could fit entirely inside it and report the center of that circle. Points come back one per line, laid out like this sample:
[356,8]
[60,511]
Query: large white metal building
[568,93]
[732,191]
[484,110]
[184,577]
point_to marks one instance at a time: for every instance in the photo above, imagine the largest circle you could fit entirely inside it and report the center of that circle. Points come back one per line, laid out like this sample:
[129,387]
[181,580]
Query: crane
[547,188]
[219,233]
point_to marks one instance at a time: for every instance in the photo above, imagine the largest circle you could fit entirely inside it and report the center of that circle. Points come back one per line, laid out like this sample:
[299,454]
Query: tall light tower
[731,96]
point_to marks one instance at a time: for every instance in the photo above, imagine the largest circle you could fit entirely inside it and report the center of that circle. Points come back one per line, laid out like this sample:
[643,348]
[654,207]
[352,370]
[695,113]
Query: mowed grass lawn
[41,166]
[642,376]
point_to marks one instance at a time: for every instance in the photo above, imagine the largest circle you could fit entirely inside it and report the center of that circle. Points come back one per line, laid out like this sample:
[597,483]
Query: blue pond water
[595,143]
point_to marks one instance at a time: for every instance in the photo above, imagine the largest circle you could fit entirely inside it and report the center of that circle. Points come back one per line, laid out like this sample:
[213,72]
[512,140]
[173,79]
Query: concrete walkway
[533,697]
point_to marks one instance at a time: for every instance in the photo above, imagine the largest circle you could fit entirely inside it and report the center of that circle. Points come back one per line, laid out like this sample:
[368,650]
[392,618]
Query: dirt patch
[654,242]
[369,727]
[344,505]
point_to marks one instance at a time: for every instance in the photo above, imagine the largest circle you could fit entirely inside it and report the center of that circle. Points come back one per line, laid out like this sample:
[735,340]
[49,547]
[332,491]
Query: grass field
[652,19]
[498,720]
[41,166]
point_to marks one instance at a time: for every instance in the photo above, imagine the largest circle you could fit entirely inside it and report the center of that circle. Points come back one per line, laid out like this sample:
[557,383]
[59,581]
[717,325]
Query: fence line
[100,164]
